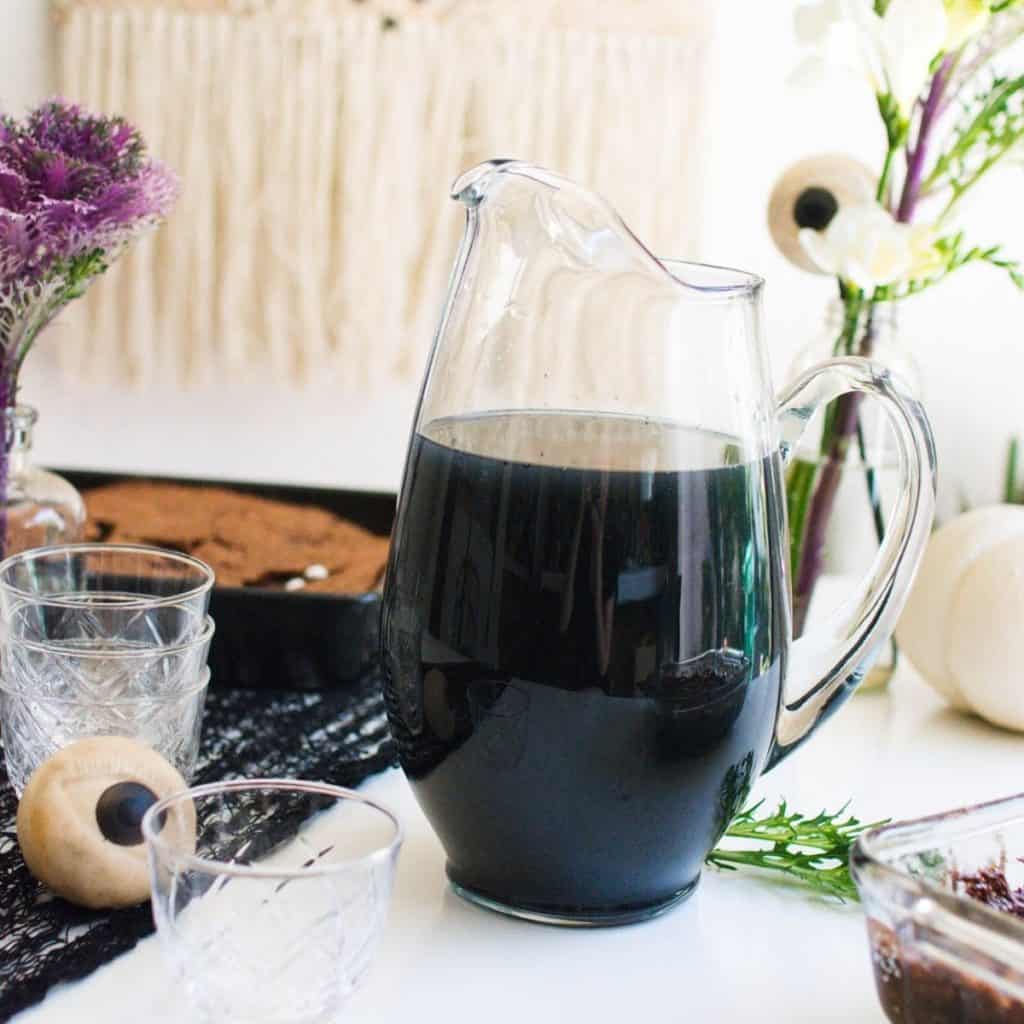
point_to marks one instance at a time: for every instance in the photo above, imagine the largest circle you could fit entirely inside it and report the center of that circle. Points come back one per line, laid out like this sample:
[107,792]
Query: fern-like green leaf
[812,850]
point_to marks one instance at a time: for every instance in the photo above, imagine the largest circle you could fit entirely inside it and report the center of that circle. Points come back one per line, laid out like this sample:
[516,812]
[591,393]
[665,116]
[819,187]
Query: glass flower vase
[39,507]
[867,473]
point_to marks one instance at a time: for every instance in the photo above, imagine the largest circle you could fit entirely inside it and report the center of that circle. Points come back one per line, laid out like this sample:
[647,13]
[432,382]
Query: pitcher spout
[471,187]
[476,184]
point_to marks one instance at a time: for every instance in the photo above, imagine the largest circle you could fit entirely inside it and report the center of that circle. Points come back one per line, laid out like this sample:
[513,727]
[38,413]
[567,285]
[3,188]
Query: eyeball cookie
[79,820]
[809,195]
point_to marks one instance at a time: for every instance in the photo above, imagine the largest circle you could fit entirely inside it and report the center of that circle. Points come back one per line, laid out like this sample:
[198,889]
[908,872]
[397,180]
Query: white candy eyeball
[79,819]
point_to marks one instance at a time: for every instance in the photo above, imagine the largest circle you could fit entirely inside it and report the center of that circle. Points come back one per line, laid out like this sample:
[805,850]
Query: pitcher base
[575,917]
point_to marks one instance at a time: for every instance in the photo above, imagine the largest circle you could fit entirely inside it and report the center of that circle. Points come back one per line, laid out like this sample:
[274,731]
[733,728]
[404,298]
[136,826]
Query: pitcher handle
[827,663]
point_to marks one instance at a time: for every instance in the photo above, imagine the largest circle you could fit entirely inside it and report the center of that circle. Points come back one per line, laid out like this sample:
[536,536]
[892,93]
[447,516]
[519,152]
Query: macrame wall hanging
[316,140]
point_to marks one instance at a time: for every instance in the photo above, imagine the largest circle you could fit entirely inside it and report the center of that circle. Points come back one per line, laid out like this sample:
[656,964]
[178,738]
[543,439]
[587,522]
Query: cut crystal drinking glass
[270,895]
[102,640]
[52,695]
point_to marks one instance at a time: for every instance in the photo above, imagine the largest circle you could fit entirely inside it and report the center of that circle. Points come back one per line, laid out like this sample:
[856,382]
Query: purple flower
[77,182]
[75,189]
[13,189]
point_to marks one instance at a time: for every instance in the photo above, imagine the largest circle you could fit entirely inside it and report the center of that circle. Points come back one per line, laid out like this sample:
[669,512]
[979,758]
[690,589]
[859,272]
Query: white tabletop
[741,949]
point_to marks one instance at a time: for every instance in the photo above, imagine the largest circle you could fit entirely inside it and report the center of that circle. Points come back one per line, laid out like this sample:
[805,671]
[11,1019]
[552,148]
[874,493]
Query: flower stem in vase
[811,562]
[917,154]
[811,489]
[7,400]
[812,486]
[1011,490]
[871,480]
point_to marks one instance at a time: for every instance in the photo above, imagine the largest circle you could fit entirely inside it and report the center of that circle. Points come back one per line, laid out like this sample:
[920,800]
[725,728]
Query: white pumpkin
[963,625]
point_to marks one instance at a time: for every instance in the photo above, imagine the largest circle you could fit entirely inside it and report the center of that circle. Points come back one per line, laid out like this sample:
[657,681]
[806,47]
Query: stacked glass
[102,640]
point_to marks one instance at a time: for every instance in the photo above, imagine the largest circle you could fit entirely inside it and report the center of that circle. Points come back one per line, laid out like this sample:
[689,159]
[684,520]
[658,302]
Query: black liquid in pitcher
[583,630]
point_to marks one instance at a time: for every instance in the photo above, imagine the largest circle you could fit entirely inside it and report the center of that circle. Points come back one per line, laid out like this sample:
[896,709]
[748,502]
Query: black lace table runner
[338,736]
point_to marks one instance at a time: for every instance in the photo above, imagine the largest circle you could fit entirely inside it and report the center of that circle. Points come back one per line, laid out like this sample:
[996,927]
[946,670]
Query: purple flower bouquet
[75,190]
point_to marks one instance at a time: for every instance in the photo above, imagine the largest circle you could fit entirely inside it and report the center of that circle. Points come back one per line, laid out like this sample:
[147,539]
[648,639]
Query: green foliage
[954,255]
[896,125]
[800,480]
[71,278]
[1013,492]
[814,851]
[990,126]
[81,270]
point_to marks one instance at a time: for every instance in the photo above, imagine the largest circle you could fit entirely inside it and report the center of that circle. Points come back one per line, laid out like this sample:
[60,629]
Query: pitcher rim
[735,282]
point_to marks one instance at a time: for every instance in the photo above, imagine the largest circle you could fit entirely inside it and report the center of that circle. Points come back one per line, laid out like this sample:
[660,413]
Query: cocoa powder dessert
[248,540]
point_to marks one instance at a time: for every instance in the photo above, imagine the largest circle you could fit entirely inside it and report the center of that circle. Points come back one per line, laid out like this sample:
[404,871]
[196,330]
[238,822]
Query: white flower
[912,34]
[814,21]
[965,18]
[866,246]
[894,51]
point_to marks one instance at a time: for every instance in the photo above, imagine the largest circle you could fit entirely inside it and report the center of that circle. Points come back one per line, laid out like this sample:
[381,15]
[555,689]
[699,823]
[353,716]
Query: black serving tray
[277,639]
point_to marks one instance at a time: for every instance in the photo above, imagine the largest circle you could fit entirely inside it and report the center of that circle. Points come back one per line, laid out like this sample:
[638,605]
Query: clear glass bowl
[937,954]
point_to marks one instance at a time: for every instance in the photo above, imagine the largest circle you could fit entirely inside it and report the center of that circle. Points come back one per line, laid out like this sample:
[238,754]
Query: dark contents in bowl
[991,887]
[918,990]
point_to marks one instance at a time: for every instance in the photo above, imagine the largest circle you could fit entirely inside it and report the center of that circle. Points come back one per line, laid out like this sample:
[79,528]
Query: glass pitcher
[586,629]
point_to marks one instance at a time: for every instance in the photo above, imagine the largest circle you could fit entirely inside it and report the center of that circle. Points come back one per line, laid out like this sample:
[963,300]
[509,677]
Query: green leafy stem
[991,126]
[814,851]
[74,278]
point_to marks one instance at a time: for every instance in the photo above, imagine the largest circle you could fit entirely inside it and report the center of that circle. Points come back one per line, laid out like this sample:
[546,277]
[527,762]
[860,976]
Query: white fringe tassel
[314,232]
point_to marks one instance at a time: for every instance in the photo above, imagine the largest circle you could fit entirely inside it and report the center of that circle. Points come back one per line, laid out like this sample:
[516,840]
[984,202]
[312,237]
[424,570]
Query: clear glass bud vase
[39,507]
[868,478]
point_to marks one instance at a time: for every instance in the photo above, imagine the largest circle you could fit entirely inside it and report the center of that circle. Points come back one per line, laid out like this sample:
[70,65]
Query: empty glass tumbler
[165,593]
[102,640]
[270,895]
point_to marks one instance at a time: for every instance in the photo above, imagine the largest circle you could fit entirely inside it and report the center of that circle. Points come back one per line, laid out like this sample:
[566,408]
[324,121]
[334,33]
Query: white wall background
[967,335]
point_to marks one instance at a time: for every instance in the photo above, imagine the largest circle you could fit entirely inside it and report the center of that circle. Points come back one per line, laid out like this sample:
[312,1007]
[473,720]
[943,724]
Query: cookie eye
[815,207]
[120,809]
[79,821]
[809,195]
